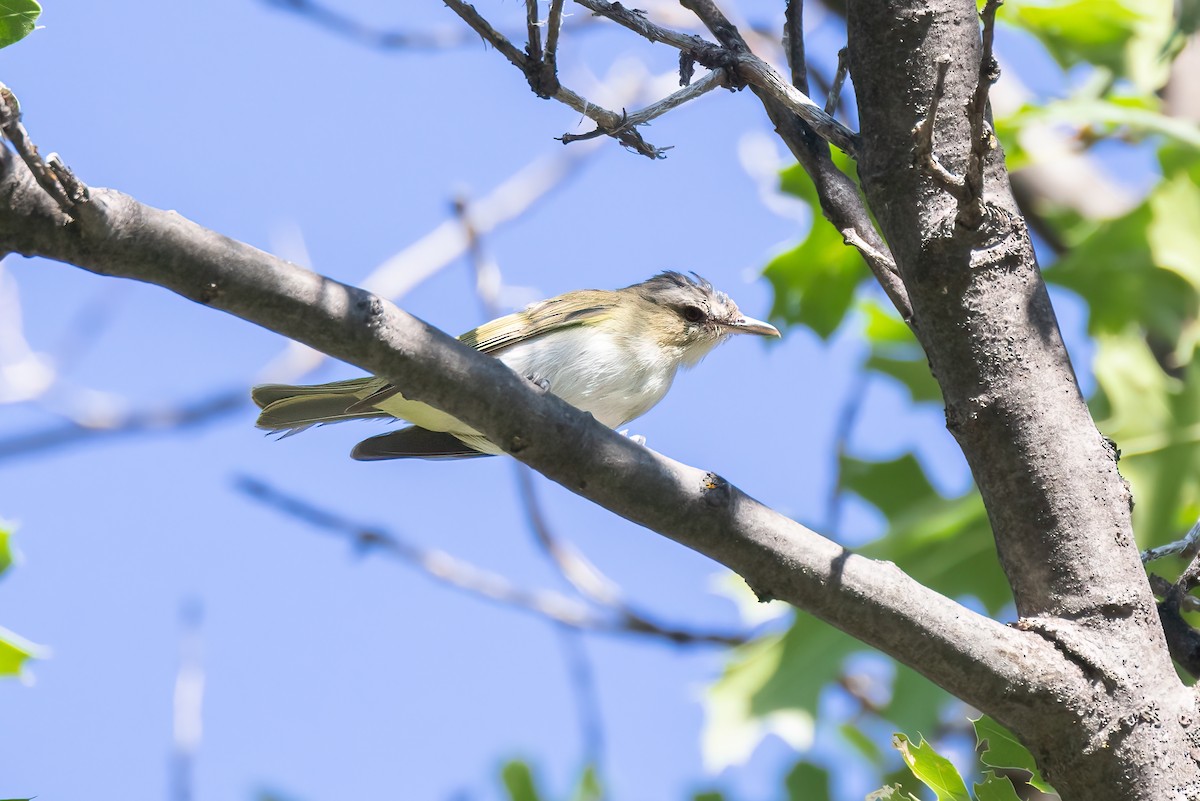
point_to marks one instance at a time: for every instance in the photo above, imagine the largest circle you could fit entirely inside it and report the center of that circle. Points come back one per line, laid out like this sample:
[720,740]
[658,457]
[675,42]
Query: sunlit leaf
[17,20]
[15,651]
[6,554]
[1154,419]
[933,769]
[1000,749]
[996,788]
[1128,37]
[1126,115]
[815,281]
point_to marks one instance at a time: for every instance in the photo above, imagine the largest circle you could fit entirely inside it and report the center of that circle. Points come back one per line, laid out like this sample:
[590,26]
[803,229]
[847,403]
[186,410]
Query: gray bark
[1058,507]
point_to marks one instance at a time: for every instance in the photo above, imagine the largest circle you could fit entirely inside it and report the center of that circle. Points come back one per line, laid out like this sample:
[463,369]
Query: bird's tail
[295,408]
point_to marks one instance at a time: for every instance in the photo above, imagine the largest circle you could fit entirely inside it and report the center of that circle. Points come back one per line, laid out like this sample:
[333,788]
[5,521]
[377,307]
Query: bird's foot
[541,383]
[637,439]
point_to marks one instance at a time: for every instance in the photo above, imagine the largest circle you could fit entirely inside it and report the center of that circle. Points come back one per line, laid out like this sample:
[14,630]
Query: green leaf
[15,651]
[759,693]
[710,795]
[518,781]
[933,769]
[6,552]
[1127,37]
[892,487]
[996,788]
[588,787]
[1126,115]
[1155,421]
[815,281]
[999,748]
[807,782]
[896,353]
[17,20]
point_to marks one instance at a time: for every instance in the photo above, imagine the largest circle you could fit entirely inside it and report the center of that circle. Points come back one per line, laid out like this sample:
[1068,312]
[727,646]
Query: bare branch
[983,141]
[1186,547]
[553,27]
[968,188]
[605,119]
[741,64]
[14,132]
[793,43]
[534,48]
[923,155]
[171,417]
[839,79]
[460,574]
[714,79]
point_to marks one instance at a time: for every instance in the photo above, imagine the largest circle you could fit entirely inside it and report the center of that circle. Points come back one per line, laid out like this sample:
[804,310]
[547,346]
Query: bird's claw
[637,439]
[541,383]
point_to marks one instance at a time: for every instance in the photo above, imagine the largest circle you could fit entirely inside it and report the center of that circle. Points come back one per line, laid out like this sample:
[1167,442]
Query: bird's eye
[693,314]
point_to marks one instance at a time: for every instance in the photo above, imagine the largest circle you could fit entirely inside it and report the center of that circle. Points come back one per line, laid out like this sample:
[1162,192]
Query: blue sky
[329,675]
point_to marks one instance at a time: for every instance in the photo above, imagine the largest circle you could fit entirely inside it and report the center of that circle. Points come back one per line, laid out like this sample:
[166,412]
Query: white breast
[616,379]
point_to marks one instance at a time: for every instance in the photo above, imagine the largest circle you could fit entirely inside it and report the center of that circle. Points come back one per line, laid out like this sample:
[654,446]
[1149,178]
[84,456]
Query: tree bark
[1059,509]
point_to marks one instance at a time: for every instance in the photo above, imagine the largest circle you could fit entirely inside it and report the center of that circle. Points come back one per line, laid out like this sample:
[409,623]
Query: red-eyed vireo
[613,353]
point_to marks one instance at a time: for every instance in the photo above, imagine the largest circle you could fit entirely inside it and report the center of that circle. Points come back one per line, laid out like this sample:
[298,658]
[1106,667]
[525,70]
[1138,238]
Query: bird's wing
[576,308]
[417,443]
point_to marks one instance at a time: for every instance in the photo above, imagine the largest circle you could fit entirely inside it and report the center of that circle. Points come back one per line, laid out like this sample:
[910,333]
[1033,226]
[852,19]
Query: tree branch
[1059,509]
[979,660]
[605,120]
[740,62]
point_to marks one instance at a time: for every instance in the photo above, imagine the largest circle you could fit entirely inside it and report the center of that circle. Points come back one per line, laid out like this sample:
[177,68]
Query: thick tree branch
[979,660]
[1059,509]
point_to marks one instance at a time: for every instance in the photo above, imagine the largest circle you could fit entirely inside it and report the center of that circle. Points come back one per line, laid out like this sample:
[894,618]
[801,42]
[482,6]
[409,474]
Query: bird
[612,353]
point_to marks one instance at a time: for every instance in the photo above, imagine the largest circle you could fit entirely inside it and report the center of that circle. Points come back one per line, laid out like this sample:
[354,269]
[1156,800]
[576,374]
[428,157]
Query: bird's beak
[748,325]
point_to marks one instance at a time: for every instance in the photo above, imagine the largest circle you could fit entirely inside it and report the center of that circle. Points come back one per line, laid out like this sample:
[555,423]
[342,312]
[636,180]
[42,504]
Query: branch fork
[967,188]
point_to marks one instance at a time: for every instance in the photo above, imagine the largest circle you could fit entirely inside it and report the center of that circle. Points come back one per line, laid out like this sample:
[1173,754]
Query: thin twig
[742,65]
[534,47]
[843,431]
[1162,588]
[462,575]
[713,80]
[188,706]
[968,188]
[839,80]
[47,177]
[793,43]
[170,418]
[604,118]
[983,140]
[1187,546]
[582,675]
[923,154]
[553,27]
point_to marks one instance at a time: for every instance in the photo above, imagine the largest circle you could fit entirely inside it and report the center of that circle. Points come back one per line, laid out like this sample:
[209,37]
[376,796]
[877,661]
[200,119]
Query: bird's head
[686,312]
